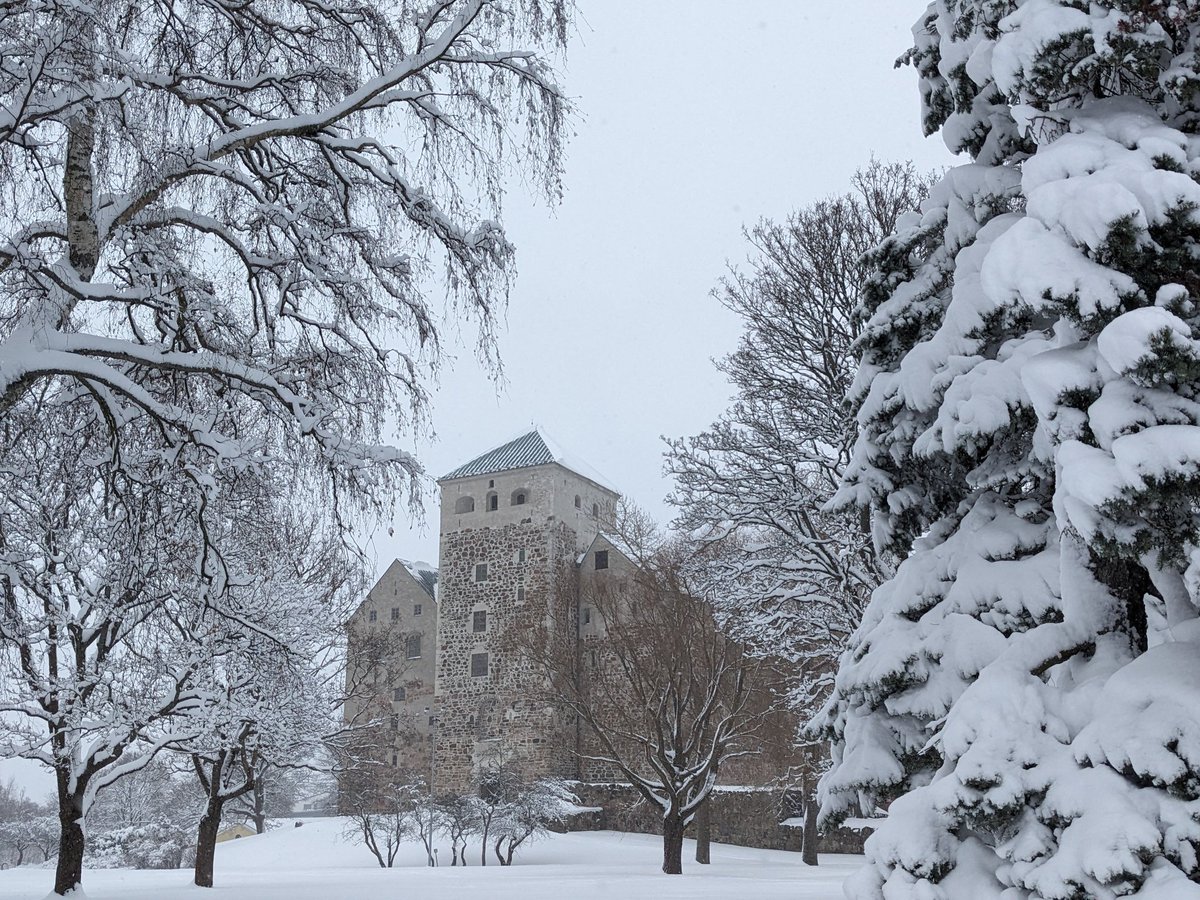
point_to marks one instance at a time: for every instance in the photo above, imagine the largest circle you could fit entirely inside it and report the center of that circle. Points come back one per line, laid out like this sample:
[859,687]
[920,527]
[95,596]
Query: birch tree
[225,213]
[224,224]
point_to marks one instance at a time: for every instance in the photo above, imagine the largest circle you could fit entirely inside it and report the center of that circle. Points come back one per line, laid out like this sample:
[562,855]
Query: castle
[521,525]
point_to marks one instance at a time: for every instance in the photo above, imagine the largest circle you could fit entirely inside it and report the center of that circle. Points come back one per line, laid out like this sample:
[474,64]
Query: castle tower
[513,523]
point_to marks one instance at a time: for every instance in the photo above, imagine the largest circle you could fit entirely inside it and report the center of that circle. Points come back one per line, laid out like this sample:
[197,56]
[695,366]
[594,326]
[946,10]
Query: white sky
[697,117]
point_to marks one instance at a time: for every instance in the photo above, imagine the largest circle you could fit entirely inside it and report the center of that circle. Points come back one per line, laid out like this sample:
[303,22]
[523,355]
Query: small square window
[412,646]
[479,620]
[395,723]
[520,593]
[479,665]
[372,616]
[521,555]
[416,609]
[481,572]
[587,615]
[395,614]
[395,760]
[398,695]
[601,559]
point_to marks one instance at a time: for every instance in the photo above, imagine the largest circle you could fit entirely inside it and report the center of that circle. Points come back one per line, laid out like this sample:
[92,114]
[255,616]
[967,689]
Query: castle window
[395,760]
[481,572]
[587,615]
[416,609]
[578,502]
[412,646]
[395,723]
[479,665]
[464,505]
[479,620]
[493,502]
[372,616]
[595,510]
[491,483]
[519,497]
[601,559]
[519,556]
[520,593]
[398,695]
[395,614]
[592,659]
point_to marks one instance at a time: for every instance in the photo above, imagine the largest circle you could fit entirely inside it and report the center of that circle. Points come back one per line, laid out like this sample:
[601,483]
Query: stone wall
[487,720]
[749,817]
[398,694]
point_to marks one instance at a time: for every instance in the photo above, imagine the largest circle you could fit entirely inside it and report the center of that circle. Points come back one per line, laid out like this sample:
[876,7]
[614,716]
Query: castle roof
[535,448]
[425,574]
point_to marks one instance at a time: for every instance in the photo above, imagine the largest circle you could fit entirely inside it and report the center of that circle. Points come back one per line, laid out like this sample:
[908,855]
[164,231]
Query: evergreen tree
[1022,694]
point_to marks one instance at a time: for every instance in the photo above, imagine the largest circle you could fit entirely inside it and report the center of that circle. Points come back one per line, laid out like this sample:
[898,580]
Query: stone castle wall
[489,719]
[398,607]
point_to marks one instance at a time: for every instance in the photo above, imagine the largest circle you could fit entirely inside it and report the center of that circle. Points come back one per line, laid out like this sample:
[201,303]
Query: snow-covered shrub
[155,845]
[1024,692]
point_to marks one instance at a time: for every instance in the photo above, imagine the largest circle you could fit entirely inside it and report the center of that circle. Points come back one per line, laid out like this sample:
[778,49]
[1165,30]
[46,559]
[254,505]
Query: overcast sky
[695,118]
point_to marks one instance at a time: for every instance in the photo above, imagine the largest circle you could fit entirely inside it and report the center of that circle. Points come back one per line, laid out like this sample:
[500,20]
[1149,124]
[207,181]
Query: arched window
[595,510]
[493,502]
[520,497]
[578,502]
[464,505]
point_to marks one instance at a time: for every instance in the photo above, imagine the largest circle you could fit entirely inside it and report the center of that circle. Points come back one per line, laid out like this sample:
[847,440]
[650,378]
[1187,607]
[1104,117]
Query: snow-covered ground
[315,863]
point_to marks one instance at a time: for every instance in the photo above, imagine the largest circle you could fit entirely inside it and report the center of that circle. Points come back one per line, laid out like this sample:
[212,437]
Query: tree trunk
[809,848]
[206,842]
[673,829]
[259,812]
[484,846]
[68,873]
[82,238]
[704,831]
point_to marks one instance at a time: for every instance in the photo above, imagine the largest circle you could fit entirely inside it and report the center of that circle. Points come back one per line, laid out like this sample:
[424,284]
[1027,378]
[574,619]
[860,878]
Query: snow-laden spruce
[1024,694]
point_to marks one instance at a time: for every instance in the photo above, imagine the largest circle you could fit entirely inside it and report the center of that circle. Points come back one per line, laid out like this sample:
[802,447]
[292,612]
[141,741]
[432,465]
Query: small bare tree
[379,809]
[667,697]
[457,816]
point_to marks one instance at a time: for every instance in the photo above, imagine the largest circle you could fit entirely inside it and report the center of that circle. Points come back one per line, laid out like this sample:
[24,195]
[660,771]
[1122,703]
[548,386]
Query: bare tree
[273,703]
[100,593]
[207,219]
[666,697]
[379,806]
[791,579]
[527,814]
[457,816]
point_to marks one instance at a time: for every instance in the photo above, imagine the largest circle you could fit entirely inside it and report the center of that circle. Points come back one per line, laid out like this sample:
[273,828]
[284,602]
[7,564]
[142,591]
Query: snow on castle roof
[424,573]
[534,448]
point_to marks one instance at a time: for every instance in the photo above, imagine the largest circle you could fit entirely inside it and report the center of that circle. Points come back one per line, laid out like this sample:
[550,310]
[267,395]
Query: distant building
[234,832]
[522,545]
[517,525]
[391,666]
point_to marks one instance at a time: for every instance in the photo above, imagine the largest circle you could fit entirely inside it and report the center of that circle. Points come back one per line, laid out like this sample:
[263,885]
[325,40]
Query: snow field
[314,862]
